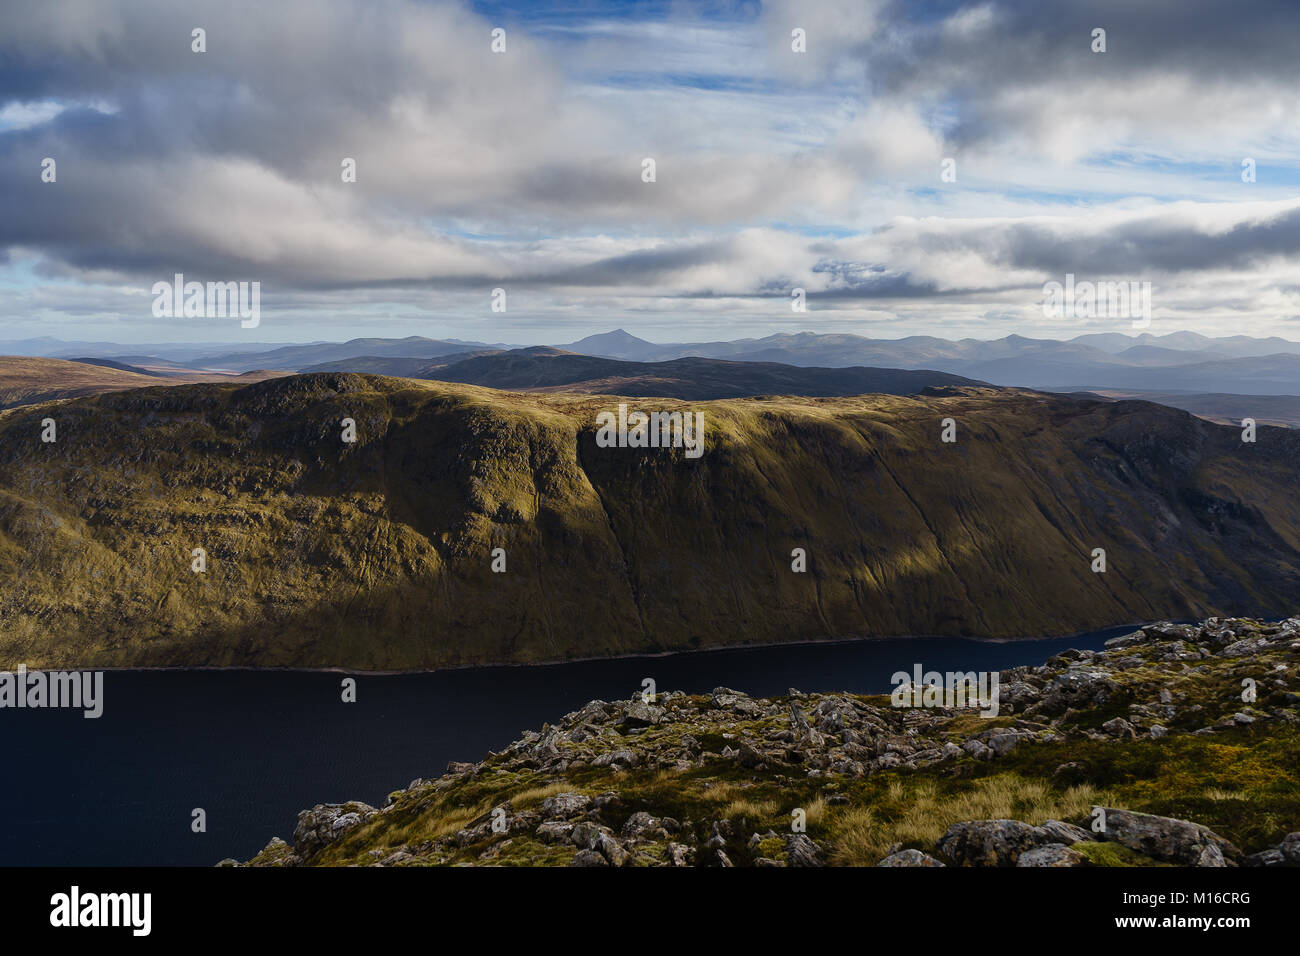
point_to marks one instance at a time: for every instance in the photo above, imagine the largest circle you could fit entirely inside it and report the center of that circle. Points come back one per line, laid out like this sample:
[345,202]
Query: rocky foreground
[1176,745]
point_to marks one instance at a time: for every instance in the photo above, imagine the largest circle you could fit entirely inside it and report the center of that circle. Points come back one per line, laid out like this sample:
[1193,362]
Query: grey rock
[1272,857]
[642,824]
[988,842]
[555,831]
[1052,854]
[326,823]
[1119,727]
[803,850]
[1060,832]
[1003,744]
[1166,838]
[1246,648]
[1081,687]
[617,758]
[977,749]
[909,858]
[640,714]
[564,806]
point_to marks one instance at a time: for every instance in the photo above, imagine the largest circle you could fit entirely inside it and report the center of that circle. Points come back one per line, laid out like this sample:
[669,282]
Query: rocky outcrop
[711,779]
[325,823]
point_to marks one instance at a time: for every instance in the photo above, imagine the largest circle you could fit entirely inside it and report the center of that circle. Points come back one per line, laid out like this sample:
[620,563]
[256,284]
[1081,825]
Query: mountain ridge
[376,555]
[541,368]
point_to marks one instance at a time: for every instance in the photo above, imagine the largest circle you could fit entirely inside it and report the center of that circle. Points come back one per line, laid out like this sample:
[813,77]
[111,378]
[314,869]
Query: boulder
[641,825]
[1066,833]
[640,714]
[1081,687]
[803,850]
[325,823]
[1168,839]
[1052,854]
[909,858]
[565,806]
[989,842]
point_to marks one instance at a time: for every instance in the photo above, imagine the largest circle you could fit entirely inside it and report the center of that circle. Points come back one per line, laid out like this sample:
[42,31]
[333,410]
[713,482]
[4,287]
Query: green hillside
[376,554]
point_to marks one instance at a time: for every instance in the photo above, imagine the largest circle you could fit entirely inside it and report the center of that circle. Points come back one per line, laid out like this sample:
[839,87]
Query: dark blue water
[252,748]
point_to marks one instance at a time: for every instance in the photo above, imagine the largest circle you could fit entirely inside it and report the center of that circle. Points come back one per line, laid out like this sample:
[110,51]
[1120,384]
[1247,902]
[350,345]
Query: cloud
[774,168]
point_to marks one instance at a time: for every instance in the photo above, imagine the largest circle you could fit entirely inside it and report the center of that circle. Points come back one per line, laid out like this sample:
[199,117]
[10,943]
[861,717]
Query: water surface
[252,748]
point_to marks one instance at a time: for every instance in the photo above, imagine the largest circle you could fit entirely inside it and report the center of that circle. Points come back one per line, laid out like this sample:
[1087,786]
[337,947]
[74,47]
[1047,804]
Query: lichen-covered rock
[988,842]
[1166,838]
[802,850]
[909,858]
[565,806]
[325,823]
[1051,854]
[1066,833]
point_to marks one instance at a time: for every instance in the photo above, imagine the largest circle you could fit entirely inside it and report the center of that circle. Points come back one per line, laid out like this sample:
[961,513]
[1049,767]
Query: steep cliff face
[378,553]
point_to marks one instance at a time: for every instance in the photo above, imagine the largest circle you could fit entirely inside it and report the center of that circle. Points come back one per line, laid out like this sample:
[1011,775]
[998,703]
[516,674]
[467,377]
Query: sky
[523,169]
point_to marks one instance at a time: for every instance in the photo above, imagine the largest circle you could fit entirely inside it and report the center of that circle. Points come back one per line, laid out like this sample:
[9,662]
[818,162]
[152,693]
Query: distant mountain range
[25,380]
[1174,362]
[228,357]
[1178,361]
[547,369]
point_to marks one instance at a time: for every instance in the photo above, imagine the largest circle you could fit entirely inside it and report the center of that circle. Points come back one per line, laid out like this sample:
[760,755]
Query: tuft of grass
[916,813]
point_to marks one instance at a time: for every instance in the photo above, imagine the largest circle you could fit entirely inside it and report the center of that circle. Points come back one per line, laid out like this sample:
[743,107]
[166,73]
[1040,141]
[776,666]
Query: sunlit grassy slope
[376,554]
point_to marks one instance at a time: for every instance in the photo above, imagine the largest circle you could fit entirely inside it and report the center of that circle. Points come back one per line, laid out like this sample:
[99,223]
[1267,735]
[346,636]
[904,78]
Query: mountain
[120,366]
[377,554]
[45,346]
[1116,342]
[396,367]
[181,352]
[1187,776]
[1186,361]
[1218,407]
[617,344]
[1256,375]
[376,365]
[295,357]
[546,369]
[25,380]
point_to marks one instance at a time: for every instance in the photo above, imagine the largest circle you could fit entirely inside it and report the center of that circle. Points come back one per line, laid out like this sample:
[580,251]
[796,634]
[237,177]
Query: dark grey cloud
[1012,46]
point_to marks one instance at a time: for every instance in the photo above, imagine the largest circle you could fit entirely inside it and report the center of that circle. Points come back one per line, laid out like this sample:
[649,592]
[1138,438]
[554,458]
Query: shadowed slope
[697,379]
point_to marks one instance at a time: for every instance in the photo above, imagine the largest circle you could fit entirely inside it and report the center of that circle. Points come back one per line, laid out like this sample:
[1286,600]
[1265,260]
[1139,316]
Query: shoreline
[831,641]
